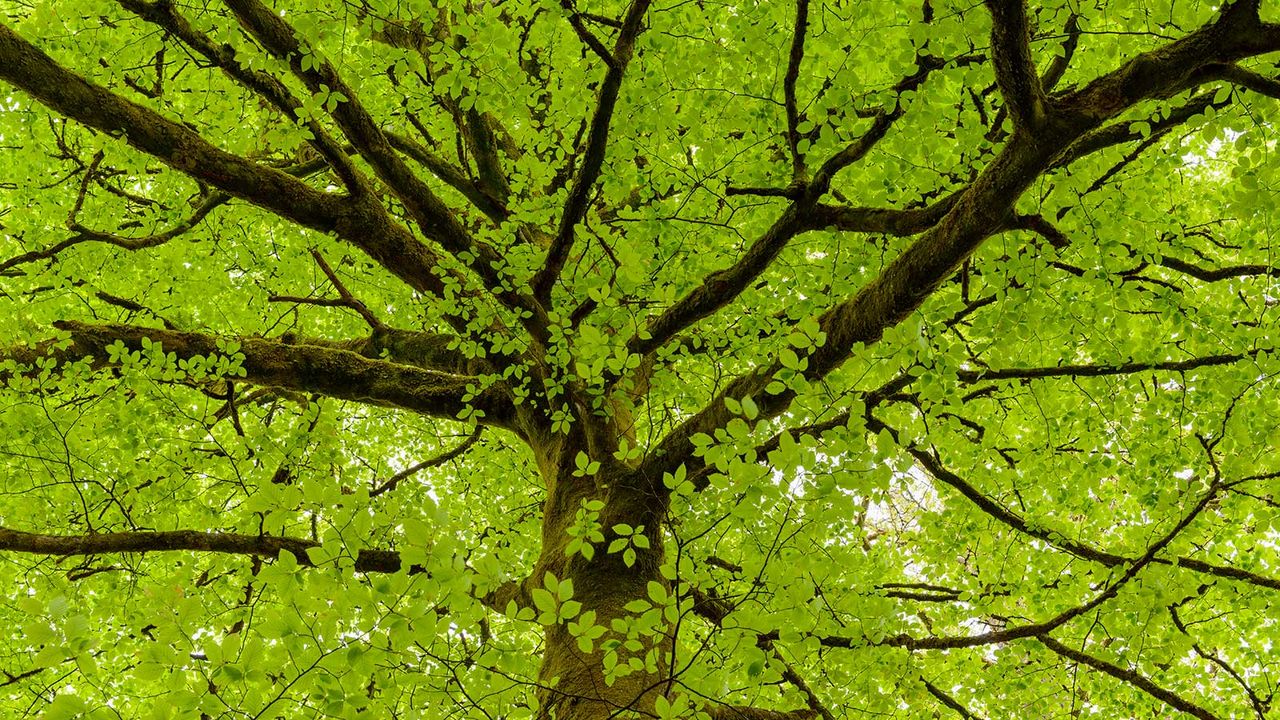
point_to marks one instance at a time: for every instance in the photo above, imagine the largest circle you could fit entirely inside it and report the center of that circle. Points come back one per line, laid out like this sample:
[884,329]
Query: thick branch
[332,372]
[165,15]
[1121,132]
[1015,71]
[1175,67]
[267,546]
[1217,274]
[28,68]
[426,350]
[585,35]
[1250,80]
[886,221]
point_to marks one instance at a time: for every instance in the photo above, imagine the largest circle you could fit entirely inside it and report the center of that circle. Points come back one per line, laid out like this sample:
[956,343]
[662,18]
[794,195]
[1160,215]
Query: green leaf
[570,609]
[657,593]
[543,600]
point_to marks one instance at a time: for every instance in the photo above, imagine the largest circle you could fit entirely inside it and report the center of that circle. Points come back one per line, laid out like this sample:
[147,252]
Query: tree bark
[575,684]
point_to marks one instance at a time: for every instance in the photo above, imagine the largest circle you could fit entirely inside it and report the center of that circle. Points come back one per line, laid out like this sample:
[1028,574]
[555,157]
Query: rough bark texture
[574,681]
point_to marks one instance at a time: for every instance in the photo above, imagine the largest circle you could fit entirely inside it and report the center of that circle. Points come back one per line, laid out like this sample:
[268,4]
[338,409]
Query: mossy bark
[575,683]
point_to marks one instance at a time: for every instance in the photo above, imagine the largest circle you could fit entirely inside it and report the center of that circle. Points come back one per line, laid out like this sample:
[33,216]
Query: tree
[638,359]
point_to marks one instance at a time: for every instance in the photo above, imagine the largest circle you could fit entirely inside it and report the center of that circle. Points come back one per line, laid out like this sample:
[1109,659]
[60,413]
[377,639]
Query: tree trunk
[577,684]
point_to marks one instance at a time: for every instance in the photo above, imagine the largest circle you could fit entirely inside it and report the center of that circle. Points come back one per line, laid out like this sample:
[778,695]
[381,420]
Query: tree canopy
[745,360]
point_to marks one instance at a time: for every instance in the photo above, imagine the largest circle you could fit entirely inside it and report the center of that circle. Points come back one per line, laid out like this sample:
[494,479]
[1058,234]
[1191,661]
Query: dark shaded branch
[614,23]
[921,596]
[1041,226]
[587,37]
[1130,677]
[993,374]
[787,192]
[345,299]
[318,302]
[394,481]
[480,133]
[853,152]
[265,546]
[882,122]
[886,221]
[28,68]
[1217,274]
[719,288]
[949,701]
[1236,34]
[1058,66]
[450,175]
[1261,84]
[270,547]
[575,207]
[1122,132]
[332,372]
[794,57]
[815,703]
[13,678]
[431,351]
[1015,71]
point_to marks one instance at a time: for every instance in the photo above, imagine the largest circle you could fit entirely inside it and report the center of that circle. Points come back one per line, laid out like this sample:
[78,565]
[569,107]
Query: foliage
[666,359]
